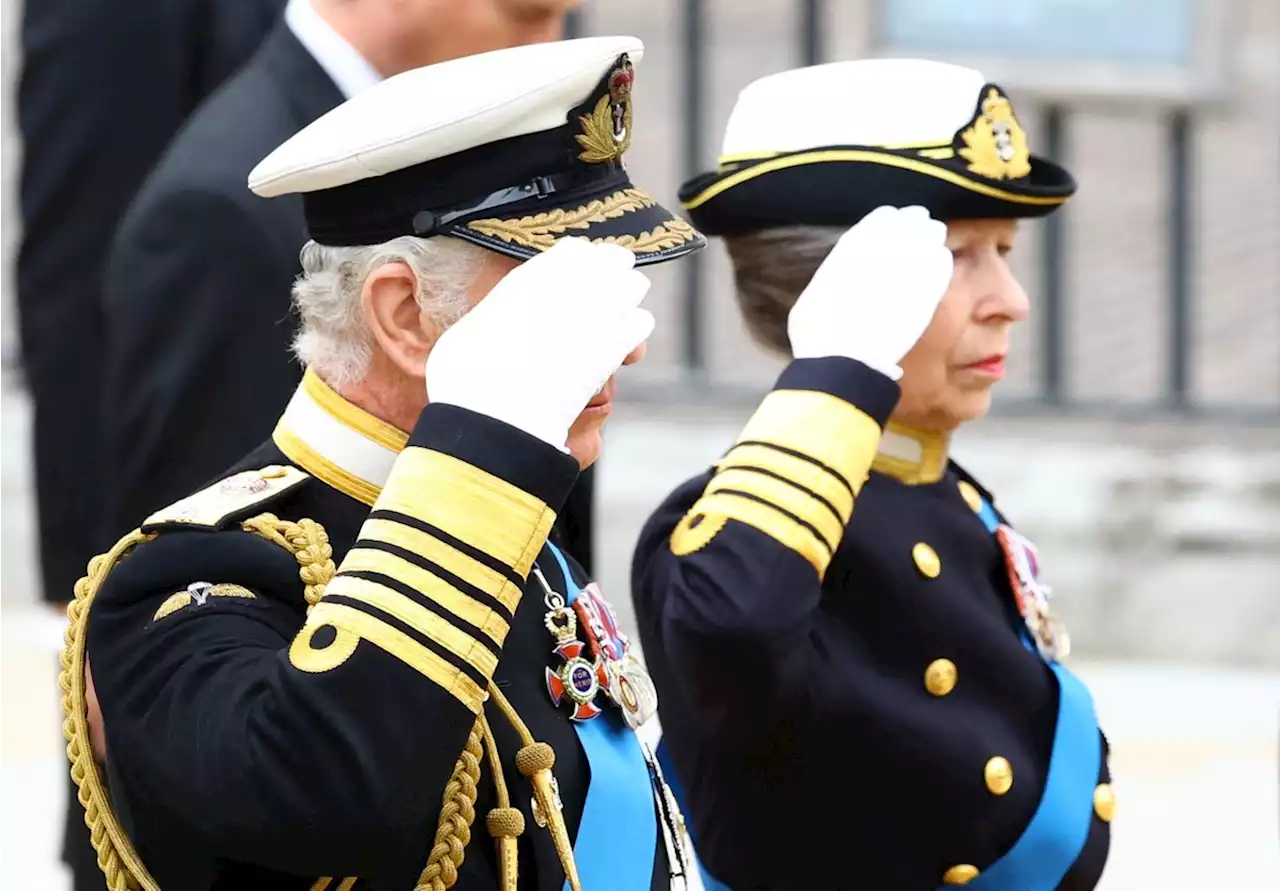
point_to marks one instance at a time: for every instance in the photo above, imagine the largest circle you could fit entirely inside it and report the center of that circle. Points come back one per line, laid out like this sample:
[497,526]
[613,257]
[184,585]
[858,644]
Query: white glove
[535,350]
[876,292]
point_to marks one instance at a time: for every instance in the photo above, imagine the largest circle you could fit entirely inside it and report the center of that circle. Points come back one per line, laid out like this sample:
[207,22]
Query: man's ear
[389,300]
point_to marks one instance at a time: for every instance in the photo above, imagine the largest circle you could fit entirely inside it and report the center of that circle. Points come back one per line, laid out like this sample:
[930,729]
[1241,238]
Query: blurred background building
[1136,439]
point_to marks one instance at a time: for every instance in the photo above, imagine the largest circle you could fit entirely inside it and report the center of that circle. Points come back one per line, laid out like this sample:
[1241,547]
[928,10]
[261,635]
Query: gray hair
[770,270]
[334,339]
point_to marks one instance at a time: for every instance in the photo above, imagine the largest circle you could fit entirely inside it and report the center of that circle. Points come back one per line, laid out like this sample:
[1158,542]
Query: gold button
[970,495]
[1104,802]
[940,677]
[926,560]
[274,472]
[960,875]
[999,775]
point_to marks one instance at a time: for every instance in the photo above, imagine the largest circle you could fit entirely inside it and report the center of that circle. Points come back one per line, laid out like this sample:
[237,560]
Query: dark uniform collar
[337,442]
[915,457]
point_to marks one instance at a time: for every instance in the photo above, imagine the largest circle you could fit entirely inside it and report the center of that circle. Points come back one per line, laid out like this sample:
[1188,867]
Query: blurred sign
[1156,49]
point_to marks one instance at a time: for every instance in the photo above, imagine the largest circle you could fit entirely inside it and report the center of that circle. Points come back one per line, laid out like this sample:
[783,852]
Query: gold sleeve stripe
[783,495]
[820,426]
[403,647]
[806,474]
[772,522]
[472,612]
[477,507]
[417,617]
[465,567]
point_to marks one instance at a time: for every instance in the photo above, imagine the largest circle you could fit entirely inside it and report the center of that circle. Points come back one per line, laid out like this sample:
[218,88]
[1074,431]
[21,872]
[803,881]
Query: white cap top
[439,110]
[872,102]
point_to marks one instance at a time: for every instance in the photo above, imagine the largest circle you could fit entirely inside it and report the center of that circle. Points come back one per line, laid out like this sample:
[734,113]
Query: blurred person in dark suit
[198,317]
[103,88]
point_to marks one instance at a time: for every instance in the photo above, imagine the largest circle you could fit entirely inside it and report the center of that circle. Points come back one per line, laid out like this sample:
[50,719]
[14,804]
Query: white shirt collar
[341,61]
[338,443]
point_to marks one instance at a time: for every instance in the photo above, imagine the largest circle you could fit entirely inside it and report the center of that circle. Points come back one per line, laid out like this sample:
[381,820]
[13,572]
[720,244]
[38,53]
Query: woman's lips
[992,366]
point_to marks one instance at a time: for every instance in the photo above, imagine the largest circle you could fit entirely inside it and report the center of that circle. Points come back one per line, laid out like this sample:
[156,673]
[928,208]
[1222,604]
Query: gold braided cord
[495,763]
[509,712]
[116,857]
[307,541]
[453,831]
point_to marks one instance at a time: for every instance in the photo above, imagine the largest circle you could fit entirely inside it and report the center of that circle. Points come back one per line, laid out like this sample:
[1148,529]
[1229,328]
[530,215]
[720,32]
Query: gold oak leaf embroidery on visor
[672,233]
[540,230]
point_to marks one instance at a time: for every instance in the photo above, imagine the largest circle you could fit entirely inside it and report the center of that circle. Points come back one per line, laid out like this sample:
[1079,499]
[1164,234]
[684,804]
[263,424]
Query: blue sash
[618,834]
[1058,830]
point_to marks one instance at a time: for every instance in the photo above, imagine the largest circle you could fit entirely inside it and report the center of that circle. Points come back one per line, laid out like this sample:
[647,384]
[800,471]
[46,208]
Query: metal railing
[1051,391]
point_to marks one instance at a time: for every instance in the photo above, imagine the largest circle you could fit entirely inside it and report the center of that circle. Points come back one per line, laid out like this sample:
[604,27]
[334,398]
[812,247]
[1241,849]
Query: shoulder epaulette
[228,500]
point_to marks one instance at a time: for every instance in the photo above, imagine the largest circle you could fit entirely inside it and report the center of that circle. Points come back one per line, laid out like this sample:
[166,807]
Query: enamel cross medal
[602,664]
[578,678]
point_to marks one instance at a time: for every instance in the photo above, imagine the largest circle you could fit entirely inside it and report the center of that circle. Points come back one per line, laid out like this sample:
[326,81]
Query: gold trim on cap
[869,157]
[541,230]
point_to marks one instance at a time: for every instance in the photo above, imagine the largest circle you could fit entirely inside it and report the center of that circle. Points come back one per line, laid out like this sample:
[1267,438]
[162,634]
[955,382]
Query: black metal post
[1052,259]
[811,25]
[1180,259]
[573,24]
[694,48]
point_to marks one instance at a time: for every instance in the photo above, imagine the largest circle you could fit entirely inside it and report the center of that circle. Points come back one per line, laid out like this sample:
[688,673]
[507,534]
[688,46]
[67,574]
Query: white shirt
[341,61]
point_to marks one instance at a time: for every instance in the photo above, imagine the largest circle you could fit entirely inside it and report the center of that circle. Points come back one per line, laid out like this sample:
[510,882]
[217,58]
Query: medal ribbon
[1058,830]
[618,834]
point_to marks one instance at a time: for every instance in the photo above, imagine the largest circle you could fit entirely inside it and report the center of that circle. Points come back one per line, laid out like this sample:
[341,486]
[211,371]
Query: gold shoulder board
[227,499]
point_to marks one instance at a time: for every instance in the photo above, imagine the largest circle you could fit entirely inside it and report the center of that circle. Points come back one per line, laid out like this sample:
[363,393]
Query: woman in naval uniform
[859,668]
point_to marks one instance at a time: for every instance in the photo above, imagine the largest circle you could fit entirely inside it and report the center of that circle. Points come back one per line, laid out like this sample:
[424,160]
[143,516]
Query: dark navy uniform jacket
[845,695]
[251,744]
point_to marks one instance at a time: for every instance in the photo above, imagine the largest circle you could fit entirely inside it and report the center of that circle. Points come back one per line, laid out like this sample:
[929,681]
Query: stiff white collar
[336,442]
[341,61]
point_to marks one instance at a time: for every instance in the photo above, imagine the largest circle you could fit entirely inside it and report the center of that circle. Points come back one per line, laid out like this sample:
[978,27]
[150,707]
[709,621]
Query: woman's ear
[389,300]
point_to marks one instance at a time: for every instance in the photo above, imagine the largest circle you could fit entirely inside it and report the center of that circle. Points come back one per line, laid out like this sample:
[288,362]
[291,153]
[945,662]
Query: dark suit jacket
[197,290]
[104,87]
[198,309]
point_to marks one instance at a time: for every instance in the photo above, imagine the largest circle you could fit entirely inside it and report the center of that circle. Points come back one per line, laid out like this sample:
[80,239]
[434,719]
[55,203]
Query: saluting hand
[535,350]
[876,292]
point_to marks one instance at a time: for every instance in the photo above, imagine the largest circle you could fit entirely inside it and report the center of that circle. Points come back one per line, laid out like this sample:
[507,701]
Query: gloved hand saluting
[876,292]
[535,350]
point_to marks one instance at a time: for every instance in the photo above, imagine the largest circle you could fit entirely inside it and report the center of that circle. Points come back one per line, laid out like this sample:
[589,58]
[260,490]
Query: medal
[602,664]
[578,678]
[629,684]
[1031,596]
